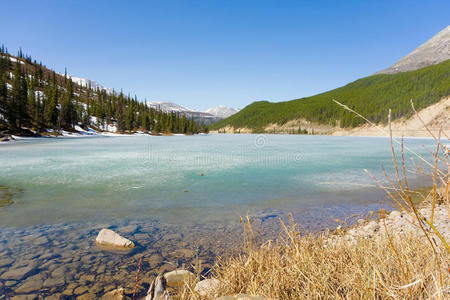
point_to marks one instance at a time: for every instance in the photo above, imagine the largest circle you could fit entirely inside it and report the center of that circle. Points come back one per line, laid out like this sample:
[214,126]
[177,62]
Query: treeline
[34,97]
[372,96]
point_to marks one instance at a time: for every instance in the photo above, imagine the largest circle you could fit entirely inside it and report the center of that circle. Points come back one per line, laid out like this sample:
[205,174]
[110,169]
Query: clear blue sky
[205,53]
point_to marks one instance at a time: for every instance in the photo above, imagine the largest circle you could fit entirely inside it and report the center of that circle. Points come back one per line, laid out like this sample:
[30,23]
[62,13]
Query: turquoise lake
[191,179]
[178,198]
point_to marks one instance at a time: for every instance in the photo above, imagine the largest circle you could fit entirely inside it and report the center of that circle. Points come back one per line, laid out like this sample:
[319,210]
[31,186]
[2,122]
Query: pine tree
[120,112]
[3,86]
[51,111]
[68,112]
[16,108]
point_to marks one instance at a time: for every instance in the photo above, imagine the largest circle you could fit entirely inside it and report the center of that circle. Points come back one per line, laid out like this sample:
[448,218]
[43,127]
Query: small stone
[88,296]
[29,286]
[24,297]
[372,226]
[178,277]
[52,282]
[68,292]
[107,237]
[395,214]
[117,294]
[96,289]
[80,290]
[10,283]
[87,278]
[59,272]
[18,273]
[6,262]
[207,287]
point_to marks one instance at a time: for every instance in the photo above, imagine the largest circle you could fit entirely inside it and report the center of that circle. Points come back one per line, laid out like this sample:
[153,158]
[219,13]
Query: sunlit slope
[372,96]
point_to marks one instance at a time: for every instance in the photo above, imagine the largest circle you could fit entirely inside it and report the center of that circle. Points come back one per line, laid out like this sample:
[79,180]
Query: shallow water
[178,197]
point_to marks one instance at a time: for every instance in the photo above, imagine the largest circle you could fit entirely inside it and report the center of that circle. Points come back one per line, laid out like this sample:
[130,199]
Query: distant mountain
[169,106]
[434,51]
[36,100]
[221,111]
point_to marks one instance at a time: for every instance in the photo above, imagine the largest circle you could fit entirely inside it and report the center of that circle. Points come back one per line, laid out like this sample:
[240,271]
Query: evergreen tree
[51,111]
[120,112]
[17,102]
[68,113]
[3,86]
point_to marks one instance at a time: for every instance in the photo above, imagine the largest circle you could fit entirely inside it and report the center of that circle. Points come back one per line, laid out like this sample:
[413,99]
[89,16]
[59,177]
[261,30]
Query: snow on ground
[13,59]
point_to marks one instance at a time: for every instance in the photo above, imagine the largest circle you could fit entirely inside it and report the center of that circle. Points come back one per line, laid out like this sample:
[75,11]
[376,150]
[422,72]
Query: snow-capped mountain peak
[221,111]
[169,106]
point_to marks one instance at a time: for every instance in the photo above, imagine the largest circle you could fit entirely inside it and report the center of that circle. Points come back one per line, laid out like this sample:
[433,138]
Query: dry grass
[300,266]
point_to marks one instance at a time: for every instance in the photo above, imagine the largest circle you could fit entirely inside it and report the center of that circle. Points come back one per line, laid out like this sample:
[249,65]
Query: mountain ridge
[433,51]
[208,116]
[371,96]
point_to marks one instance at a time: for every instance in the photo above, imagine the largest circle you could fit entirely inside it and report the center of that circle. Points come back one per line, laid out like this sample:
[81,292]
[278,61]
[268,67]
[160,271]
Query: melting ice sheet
[190,179]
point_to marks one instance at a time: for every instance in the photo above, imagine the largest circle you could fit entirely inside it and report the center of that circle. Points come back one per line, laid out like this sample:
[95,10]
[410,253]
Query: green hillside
[372,96]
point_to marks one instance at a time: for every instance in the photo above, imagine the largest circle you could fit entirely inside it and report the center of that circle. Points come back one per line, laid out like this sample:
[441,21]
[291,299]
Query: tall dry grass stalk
[296,266]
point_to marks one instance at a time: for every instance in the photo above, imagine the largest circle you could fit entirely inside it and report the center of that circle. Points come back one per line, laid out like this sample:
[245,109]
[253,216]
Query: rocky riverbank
[400,226]
[398,223]
[64,261]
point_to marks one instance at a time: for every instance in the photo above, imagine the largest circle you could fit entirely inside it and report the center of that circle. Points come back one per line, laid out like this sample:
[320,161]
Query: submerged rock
[117,294]
[107,237]
[178,277]
[30,286]
[18,273]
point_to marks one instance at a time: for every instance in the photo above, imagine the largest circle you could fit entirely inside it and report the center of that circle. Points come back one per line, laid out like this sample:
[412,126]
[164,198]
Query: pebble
[18,273]
[207,287]
[402,223]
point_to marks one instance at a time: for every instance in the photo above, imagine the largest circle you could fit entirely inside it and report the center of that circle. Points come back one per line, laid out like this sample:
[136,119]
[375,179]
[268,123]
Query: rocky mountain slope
[434,51]
[421,76]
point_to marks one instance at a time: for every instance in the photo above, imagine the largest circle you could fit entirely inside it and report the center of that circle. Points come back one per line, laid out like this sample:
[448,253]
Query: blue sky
[205,53]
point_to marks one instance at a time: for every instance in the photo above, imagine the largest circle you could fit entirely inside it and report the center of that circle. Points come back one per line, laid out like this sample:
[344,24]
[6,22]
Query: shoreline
[89,284]
[72,248]
[380,247]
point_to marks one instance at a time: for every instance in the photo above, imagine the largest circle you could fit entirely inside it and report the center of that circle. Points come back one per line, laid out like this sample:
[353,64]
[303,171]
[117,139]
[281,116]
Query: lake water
[178,197]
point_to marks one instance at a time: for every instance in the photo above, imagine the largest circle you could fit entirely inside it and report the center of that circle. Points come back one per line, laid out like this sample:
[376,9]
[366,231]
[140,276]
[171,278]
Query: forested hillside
[372,96]
[36,99]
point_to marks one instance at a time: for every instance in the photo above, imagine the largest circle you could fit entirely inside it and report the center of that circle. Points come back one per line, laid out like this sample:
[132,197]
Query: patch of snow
[87,82]
[13,59]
